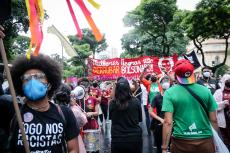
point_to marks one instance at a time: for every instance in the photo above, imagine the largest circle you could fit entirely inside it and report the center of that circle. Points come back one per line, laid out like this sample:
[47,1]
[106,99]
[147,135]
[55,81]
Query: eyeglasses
[37,76]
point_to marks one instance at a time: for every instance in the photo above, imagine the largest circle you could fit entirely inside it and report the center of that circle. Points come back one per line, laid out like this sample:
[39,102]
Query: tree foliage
[76,66]
[18,22]
[157,29]
[20,45]
[68,68]
[79,62]
[88,38]
[211,19]
[222,70]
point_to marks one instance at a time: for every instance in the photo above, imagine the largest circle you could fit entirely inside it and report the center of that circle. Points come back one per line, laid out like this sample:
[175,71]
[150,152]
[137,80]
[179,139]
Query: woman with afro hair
[48,127]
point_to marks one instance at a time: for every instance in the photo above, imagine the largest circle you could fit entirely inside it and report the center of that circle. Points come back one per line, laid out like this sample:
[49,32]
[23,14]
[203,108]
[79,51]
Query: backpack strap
[59,108]
[198,99]
[61,113]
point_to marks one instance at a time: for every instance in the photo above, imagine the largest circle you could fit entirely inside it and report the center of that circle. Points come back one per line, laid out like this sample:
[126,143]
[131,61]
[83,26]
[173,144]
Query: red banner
[130,68]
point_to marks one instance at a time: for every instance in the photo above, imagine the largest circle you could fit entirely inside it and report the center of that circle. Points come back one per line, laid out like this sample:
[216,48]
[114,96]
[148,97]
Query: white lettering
[59,138]
[26,127]
[60,127]
[54,128]
[39,129]
[32,129]
[40,137]
[54,141]
[48,129]
[19,140]
[132,69]
[105,63]
[48,140]
[43,143]
[32,139]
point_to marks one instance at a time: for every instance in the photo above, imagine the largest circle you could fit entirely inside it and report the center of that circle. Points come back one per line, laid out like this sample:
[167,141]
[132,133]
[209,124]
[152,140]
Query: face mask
[35,90]
[165,85]
[227,84]
[153,79]
[94,85]
[206,74]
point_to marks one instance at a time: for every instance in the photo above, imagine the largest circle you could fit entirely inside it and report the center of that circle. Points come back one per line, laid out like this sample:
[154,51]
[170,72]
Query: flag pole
[12,91]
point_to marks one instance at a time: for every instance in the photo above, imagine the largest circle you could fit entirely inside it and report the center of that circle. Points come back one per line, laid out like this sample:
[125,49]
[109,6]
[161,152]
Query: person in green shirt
[191,125]
[153,87]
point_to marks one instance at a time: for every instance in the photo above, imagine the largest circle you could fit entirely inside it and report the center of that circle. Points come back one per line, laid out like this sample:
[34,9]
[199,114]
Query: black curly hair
[41,62]
[62,95]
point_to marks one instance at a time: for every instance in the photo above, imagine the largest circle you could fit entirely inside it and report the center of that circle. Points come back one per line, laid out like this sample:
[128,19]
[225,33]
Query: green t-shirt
[154,90]
[189,119]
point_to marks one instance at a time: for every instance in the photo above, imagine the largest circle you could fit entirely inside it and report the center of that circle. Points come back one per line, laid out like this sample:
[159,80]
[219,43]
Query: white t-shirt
[144,97]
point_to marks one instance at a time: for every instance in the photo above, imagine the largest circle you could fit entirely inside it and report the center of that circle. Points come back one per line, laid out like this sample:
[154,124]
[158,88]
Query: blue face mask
[35,90]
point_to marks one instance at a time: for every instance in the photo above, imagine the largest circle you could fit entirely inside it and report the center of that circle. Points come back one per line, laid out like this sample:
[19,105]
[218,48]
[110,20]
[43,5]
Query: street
[106,140]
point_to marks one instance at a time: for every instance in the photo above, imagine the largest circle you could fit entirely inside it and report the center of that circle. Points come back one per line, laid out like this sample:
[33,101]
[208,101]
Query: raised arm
[143,72]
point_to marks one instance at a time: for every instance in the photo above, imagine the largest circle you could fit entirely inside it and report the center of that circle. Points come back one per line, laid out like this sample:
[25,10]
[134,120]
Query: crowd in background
[57,115]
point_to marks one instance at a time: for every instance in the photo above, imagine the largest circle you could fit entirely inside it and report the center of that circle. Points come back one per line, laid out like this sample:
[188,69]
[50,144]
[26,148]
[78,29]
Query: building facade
[214,50]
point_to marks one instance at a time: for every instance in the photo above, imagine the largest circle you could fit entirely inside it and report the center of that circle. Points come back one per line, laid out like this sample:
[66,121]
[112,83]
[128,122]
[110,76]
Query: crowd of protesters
[60,118]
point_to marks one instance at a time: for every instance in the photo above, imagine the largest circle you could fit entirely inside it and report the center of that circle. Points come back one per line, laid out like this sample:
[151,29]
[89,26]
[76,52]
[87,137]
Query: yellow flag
[95,4]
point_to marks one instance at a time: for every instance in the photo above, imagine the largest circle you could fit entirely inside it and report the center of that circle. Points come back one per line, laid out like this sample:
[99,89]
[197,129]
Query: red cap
[184,72]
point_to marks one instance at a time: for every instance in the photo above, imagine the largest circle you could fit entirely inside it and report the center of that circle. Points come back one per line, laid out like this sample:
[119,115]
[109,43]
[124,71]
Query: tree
[84,49]
[73,71]
[132,44]
[20,45]
[211,19]
[222,70]
[83,53]
[88,38]
[157,29]
[18,22]
[70,67]
[76,66]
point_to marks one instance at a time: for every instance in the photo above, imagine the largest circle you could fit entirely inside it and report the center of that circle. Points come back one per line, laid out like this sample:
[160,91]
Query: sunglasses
[37,76]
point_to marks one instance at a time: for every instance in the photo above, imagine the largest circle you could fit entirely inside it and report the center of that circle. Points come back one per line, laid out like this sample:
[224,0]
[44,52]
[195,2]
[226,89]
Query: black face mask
[227,84]
[153,79]
[94,85]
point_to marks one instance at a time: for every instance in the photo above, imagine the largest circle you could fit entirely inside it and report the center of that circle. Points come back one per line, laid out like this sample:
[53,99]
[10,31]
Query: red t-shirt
[104,99]
[95,92]
[90,104]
